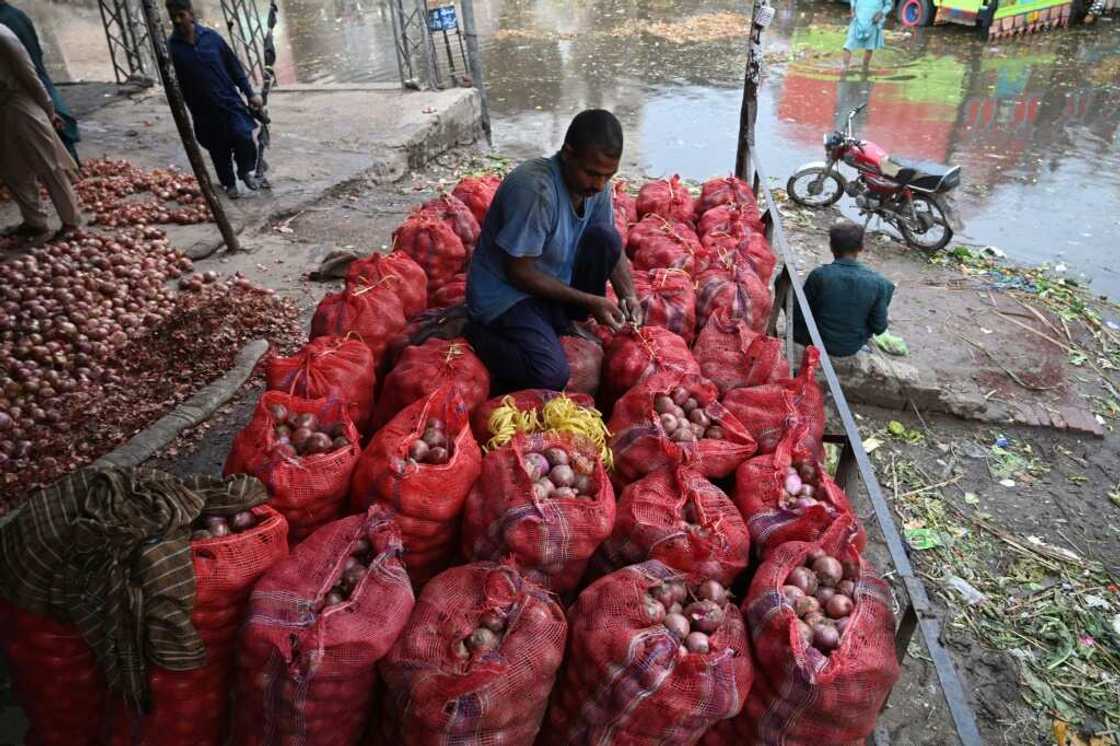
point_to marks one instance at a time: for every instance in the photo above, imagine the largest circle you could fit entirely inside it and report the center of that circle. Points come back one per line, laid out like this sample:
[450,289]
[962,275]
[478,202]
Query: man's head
[846,239]
[592,149]
[182,15]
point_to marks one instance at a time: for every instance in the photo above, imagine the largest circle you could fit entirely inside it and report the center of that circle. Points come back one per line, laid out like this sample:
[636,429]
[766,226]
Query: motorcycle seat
[923,175]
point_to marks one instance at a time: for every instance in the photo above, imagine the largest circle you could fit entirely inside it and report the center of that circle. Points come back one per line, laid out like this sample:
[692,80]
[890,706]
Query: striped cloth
[108,550]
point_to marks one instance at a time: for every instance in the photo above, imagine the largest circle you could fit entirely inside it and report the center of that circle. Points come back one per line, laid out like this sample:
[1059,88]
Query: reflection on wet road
[1032,122]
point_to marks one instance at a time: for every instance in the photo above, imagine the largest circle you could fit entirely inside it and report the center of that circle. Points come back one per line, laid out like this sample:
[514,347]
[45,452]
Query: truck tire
[915,13]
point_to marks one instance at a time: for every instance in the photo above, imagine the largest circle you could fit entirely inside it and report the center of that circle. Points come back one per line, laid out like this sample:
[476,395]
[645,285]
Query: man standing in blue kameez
[213,82]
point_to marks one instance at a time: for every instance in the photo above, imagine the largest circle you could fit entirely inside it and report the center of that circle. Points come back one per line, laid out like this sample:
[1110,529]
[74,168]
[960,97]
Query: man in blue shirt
[210,76]
[848,299]
[547,248]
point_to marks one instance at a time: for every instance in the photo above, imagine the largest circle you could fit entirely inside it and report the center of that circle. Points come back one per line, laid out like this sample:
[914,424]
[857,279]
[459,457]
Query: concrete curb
[188,414]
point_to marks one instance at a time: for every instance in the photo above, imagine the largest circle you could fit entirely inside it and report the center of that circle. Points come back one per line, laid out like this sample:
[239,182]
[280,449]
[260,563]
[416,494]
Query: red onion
[697,642]
[839,606]
[829,570]
[677,624]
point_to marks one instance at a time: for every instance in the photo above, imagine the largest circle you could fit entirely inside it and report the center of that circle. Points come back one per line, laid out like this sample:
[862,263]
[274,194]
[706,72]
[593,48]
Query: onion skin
[806,605]
[829,570]
[791,593]
[654,611]
[711,590]
[482,640]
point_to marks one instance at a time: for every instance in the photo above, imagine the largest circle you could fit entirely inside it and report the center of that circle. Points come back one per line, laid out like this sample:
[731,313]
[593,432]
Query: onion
[200,535]
[434,423]
[847,587]
[318,443]
[536,465]
[562,475]
[340,442]
[542,489]
[804,503]
[698,417]
[680,395]
[434,438]
[851,569]
[806,605]
[333,599]
[663,593]
[669,423]
[582,484]
[715,432]
[556,456]
[711,590]
[839,606]
[842,624]
[805,632]
[791,593]
[482,640]
[438,455]
[306,419]
[824,593]
[353,576]
[825,637]
[806,490]
[582,464]
[705,616]
[792,484]
[813,555]
[814,618]
[697,642]
[829,570]
[690,405]
[662,404]
[653,609]
[361,546]
[564,493]
[492,621]
[684,435]
[677,624]
[806,471]
[804,579]
[418,451]
[243,521]
[219,530]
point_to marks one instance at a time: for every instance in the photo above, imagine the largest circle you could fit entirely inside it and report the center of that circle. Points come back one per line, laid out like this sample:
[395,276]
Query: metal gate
[127,35]
[428,40]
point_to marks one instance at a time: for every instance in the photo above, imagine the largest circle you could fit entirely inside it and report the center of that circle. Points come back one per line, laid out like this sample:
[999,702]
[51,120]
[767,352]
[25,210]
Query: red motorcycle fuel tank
[865,156]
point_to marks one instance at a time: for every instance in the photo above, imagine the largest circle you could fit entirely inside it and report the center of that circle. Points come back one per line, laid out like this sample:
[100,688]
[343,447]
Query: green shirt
[849,302]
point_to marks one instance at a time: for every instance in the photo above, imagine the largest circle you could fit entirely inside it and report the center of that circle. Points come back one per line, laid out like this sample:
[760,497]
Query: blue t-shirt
[531,216]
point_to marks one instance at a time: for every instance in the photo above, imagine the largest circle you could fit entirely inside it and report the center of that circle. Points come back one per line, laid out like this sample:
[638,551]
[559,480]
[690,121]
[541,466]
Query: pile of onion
[684,418]
[433,447]
[210,526]
[799,489]
[490,629]
[301,434]
[821,593]
[559,475]
[350,574]
[691,614]
[107,189]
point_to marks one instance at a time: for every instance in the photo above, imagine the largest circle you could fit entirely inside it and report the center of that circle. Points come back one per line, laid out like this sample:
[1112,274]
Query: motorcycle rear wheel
[828,187]
[936,233]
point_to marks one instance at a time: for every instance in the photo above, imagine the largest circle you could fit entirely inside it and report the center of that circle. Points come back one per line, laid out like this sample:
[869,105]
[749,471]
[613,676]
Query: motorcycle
[910,195]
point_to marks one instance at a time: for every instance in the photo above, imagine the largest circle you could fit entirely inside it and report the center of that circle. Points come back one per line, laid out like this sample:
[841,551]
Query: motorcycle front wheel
[814,187]
[929,228]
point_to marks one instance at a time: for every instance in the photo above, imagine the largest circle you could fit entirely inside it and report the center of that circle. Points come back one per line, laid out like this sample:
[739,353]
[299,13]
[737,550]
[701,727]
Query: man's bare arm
[525,276]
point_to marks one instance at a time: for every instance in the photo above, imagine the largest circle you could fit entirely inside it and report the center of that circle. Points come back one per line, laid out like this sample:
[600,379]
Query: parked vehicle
[1001,18]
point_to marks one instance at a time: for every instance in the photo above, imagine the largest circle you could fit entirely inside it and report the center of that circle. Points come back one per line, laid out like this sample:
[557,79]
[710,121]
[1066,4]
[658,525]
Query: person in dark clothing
[848,299]
[21,26]
[547,249]
[210,76]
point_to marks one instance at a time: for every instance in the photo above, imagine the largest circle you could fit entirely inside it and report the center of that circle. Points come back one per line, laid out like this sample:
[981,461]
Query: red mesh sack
[438,323]
[722,191]
[736,292]
[309,490]
[426,498]
[667,198]
[668,300]
[395,271]
[372,313]
[477,193]
[442,689]
[735,218]
[451,294]
[772,520]
[54,678]
[190,707]
[550,539]
[451,210]
[330,368]
[422,369]
[585,363]
[306,668]
[523,400]
[732,355]
[634,354]
[677,516]
[801,695]
[643,439]
[433,245]
[743,246]
[625,209]
[657,243]
[769,411]
[628,680]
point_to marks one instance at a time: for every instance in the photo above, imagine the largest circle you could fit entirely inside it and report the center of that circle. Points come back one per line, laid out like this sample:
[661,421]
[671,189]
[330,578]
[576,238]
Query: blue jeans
[521,348]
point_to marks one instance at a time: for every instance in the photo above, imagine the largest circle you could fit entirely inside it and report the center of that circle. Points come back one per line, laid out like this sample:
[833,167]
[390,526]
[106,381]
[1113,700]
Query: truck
[998,19]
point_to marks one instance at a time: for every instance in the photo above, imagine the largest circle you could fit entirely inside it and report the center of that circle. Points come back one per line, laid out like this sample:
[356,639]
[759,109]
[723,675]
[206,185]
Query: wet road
[1033,122]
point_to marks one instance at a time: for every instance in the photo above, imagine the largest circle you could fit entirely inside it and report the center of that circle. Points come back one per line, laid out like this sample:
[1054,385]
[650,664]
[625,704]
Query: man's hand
[57,123]
[632,309]
[607,313]
[256,102]
[877,17]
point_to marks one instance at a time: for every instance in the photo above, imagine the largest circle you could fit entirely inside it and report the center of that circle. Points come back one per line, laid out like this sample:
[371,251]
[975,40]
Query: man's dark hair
[845,238]
[174,6]
[596,129]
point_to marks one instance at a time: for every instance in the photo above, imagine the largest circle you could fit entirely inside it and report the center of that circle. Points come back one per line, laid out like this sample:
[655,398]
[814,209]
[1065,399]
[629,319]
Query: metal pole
[748,112]
[474,60]
[182,121]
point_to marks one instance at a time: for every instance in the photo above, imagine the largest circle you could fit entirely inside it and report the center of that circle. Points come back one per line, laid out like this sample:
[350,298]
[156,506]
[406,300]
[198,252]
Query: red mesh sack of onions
[733,288]
[54,678]
[625,209]
[422,465]
[768,411]
[736,218]
[421,369]
[744,246]
[545,500]
[318,623]
[634,354]
[529,399]
[722,191]
[666,197]
[732,355]
[672,418]
[433,245]
[372,313]
[304,451]
[655,657]
[476,661]
[657,243]
[788,496]
[668,300]
[677,516]
[229,553]
[477,193]
[395,271]
[451,294]
[823,636]
[451,210]
[332,368]
[585,363]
